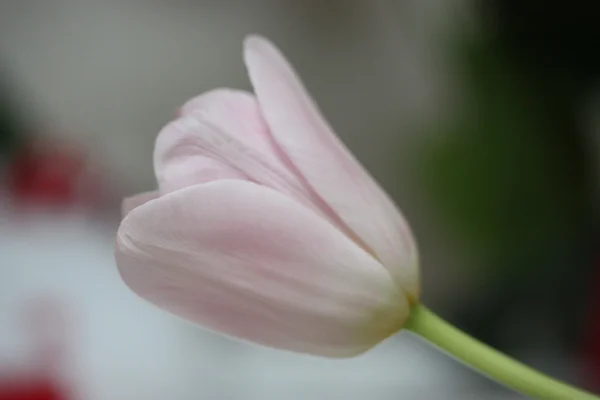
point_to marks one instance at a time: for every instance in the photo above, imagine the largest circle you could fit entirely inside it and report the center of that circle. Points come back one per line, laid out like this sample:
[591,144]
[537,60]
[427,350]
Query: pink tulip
[265,227]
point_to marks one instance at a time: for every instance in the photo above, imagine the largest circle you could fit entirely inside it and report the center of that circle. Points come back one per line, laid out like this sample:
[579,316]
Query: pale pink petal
[327,166]
[246,261]
[129,203]
[195,149]
[236,113]
[181,160]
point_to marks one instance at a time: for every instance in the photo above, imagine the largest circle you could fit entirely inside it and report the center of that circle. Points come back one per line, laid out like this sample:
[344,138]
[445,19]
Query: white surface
[122,348]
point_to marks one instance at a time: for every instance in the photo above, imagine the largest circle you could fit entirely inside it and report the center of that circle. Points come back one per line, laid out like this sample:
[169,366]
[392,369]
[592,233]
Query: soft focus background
[482,120]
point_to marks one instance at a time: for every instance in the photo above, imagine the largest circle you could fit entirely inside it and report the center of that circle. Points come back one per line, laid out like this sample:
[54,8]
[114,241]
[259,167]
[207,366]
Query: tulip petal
[248,262]
[233,116]
[129,203]
[326,164]
[197,149]
[181,160]
[236,113]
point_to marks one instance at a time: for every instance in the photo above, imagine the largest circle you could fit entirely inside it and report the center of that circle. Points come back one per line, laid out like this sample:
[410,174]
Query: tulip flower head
[265,227]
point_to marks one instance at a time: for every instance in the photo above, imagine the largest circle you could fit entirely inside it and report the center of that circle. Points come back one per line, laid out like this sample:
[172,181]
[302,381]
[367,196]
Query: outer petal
[251,263]
[129,203]
[328,167]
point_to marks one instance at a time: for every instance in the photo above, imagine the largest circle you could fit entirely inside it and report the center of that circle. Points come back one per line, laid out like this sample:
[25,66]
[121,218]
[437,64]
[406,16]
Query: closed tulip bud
[265,227]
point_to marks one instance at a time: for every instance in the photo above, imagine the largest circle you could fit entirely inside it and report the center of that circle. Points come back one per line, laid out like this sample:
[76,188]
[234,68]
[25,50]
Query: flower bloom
[265,227]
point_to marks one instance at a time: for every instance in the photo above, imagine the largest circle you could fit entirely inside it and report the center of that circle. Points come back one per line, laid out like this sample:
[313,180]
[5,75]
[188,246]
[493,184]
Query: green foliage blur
[508,174]
[501,172]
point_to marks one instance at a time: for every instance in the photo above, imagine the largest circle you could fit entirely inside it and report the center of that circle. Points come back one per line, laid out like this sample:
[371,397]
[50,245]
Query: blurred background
[480,118]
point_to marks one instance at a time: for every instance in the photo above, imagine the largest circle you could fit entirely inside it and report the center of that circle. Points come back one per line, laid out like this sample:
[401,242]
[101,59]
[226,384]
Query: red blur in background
[46,175]
[33,388]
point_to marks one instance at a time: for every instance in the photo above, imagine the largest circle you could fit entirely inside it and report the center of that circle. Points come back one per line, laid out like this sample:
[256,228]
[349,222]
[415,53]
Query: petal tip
[212,97]
[254,39]
[255,44]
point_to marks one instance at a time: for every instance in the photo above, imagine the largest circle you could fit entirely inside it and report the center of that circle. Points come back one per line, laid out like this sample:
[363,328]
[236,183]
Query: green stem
[489,361]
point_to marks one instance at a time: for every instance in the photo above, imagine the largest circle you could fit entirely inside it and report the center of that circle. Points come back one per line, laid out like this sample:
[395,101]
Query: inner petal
[222,134]
[191,150]
[236,113]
